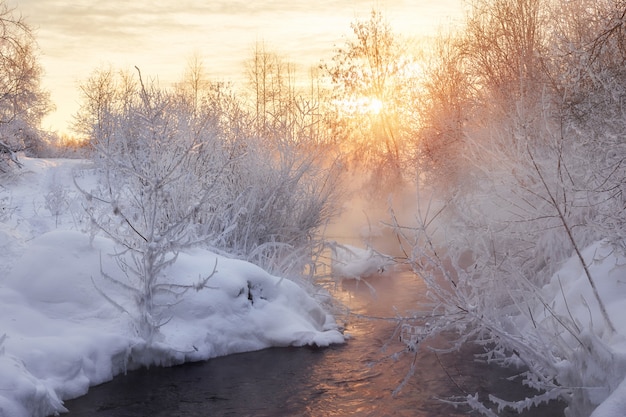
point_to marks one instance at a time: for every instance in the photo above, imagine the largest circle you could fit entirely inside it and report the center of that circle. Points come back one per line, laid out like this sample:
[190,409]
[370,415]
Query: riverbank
[67,325]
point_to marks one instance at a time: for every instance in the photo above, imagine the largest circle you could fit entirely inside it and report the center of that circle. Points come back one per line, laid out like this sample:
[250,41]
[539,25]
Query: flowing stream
[355,379]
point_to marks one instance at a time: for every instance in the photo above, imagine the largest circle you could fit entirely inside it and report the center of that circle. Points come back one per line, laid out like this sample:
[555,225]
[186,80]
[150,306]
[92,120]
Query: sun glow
[67,141]
[375,106]
[360,106]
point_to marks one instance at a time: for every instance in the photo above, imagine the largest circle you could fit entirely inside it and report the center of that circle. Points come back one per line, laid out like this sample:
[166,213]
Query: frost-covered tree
[589,75]
[105,95]
[540,147]
[504,41]
[150,197]
[277,207]
[23,102]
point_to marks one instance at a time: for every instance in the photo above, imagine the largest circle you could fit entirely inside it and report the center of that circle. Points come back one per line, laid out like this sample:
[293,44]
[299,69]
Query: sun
[375,106]
[360,106]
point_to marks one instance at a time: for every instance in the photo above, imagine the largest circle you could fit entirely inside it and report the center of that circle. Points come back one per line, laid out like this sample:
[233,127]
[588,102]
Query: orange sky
[159,36]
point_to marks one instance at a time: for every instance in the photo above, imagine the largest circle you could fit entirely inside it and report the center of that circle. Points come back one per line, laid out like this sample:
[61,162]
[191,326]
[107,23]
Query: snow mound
[596,357]
[353,262]
[61,335]
[614,405]
[31,397]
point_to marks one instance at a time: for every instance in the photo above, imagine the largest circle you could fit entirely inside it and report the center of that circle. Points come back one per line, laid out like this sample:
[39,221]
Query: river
[354,379]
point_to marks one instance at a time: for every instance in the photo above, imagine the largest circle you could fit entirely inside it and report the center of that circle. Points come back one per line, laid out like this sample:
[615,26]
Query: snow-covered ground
[59,334]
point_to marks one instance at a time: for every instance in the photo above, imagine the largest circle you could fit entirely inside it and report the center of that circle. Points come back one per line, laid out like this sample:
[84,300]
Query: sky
[160,36]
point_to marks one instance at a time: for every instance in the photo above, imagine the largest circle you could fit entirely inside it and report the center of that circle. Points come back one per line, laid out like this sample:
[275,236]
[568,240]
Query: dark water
[354,379]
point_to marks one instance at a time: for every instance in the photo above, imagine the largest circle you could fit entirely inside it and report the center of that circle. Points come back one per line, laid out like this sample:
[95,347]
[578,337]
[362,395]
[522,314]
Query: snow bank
[596,366]
[59,335]
[62,335]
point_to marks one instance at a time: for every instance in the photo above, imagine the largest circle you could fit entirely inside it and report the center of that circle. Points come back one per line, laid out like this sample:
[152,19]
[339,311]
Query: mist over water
[365,218]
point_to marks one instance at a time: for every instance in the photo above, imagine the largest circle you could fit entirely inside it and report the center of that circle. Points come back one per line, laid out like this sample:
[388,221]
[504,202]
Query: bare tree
[445,108]
[374,81]
[503,43]
[285,108]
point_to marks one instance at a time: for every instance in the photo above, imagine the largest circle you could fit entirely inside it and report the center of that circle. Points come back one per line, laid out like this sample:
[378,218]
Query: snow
[602,366]
[58,333]
[614,405]
[352,262]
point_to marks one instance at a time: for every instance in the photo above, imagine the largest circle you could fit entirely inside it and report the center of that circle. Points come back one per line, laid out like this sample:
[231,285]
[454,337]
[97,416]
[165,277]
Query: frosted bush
[57,201]
[177,174]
